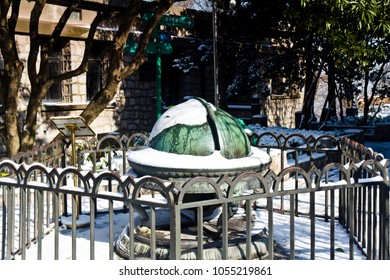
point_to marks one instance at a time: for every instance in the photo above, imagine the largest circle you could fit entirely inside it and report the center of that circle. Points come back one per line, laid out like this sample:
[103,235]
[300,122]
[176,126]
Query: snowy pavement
[281,233]
[281,236]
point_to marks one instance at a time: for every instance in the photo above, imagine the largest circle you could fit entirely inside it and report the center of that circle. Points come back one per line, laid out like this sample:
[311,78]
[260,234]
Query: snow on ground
[287,131]
[281,228]
[281,234]
[302,238]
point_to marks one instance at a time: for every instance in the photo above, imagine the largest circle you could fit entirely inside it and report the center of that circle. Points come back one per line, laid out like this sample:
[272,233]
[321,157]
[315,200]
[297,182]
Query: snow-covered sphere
[196,127]
[196,139]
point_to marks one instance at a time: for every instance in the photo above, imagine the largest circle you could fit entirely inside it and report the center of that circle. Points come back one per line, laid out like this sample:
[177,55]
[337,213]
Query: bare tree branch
[117,72]
[144,40]
[87,50]
[56,34]
[45,48]
[34,41]
[14,15]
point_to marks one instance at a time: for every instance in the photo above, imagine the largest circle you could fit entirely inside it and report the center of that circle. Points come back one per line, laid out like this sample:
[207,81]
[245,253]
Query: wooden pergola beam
[88,5]
[98,7]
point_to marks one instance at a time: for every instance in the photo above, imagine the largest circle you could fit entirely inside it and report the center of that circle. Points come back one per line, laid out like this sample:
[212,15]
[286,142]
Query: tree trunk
[100,102]
[331,84]
[330,104]
[29,131]
[10,79]
[340,99]
[40,84]
[308,115]
[11,139]
[367,102]
[369,99]
[17,139]
[117,72]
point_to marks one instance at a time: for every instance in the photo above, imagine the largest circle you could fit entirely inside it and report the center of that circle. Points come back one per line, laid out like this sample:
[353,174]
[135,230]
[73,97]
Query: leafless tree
[19,135]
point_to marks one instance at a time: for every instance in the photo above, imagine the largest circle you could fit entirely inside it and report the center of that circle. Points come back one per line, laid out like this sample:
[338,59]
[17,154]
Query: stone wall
[108,120]
[137,108]
[78,84]
[281,111]
[194,84]
[137,112]
[134,107]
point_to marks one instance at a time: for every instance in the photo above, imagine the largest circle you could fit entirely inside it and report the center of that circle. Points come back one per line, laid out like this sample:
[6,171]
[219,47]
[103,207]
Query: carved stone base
[212,243]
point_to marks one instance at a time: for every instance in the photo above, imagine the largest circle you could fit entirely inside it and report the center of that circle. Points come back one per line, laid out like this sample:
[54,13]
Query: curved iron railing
[337,181]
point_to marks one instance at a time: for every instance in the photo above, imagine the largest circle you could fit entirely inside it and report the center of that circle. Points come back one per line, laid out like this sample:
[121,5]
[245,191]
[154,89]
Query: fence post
[10,212]
[4,222]
[384,221]
[175,232]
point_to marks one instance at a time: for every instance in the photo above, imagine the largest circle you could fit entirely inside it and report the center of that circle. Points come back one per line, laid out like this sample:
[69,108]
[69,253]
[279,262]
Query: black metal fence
[328,180]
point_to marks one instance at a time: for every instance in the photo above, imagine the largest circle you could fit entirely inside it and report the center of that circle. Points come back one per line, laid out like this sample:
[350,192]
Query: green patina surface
[234,143]
[185,140]
[221,132]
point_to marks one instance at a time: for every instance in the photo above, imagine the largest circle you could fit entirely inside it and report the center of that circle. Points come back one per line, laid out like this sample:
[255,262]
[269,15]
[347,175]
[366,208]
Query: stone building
[134,107]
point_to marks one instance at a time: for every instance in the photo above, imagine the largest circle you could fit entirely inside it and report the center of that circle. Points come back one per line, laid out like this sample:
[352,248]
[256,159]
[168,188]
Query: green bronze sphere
[197,128]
